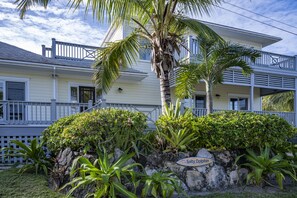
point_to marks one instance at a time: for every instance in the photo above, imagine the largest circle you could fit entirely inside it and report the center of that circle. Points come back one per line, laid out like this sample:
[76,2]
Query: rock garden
[111,153]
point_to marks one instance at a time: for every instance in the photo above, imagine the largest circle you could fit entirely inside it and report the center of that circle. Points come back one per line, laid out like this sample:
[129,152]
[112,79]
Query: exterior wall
[39,85]
[146,91]
[64,82]
[225,91]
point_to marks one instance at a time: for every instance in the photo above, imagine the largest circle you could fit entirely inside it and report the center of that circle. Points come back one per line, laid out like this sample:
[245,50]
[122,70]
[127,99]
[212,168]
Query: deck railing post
[53,110]
[53,48]
[43,50]
[103,103]
[182,106]
[295,62]
[90,104]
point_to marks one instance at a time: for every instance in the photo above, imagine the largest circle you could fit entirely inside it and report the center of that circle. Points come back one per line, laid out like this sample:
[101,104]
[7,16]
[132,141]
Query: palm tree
[162,23]
[279,102]
[214,58]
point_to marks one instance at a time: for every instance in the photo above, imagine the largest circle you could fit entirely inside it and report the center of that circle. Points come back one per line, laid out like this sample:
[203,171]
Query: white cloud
[41,25]
[58,21]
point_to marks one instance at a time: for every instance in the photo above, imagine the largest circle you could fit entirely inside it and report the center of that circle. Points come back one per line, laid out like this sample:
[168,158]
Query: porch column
[54,76]
[252,92]
[295,102]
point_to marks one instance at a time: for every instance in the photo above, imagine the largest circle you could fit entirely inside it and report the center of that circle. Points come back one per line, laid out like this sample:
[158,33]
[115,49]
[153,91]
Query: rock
[204,153]
[149,171]
[182,155]
[65,157]
[216,178]
[242,174]
[183,186]
[224,157]
[154,160]
[174,167]
[234,178]
[195,180]
[118,153]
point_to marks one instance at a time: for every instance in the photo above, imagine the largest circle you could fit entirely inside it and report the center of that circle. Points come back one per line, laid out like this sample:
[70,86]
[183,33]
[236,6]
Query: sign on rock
[194,161]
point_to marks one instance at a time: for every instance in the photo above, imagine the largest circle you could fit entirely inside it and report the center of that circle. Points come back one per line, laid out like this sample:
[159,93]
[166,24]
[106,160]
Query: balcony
[267,59]
[45,113]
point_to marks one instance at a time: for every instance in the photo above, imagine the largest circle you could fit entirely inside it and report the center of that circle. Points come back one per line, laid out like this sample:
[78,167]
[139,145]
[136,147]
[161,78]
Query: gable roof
[13,53]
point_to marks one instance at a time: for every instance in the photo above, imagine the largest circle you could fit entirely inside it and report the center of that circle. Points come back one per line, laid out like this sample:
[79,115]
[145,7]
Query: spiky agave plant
[107,177]
[33,154]
[265,163]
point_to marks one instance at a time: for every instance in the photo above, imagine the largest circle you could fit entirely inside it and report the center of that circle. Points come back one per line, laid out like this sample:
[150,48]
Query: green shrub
[240,130]
[111,128]
[173,118]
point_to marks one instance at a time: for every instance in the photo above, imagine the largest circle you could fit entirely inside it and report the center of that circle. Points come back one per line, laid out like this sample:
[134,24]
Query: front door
[86,94]
[15,92]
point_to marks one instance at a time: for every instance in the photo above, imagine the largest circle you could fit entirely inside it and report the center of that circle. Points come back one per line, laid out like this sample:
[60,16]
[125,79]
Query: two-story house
[36,90]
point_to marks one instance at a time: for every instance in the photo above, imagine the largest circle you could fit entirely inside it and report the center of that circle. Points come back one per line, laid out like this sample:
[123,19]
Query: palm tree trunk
[165,90]
[209,99]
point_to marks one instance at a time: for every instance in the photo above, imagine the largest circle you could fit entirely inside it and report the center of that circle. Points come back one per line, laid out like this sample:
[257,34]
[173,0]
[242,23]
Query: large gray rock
[216,178]
[233,177]
[149,171]
[118,153]
[224,158]
[205,154]
[195,180]
[174,167]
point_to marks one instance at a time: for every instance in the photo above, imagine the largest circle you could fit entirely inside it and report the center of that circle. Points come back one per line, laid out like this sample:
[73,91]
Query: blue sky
[59,22]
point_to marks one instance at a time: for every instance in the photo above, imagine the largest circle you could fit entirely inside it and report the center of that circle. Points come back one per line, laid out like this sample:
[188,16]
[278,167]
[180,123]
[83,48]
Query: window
[238,103]
[145,50]
[200,102]
[74,94]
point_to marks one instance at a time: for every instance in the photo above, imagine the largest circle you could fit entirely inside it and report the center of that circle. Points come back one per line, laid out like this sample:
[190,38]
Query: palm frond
[24,5]
[187,78]
[116,56]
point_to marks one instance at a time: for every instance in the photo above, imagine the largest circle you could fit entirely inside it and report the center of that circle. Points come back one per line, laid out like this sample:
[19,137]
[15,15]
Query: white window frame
[4,79]
[238,96]
[73,84]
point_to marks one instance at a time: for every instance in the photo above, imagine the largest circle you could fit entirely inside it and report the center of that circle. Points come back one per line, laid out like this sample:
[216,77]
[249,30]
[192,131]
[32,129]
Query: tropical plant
[111,128]
[162,23]
[279,102]
[33,154]
[266,164]
[160,184]
[107,177]
[177,140]
[214,58]
[240,130]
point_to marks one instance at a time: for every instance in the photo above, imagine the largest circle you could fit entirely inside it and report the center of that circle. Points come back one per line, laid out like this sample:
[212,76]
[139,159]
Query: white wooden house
[36,90]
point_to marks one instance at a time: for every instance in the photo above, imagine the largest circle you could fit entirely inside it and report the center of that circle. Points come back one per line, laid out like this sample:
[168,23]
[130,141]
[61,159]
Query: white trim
[16,79]
[74,84]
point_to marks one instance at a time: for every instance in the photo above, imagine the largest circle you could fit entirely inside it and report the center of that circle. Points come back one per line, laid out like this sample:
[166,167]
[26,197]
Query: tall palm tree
[279,102]
[161,22]
[214,58]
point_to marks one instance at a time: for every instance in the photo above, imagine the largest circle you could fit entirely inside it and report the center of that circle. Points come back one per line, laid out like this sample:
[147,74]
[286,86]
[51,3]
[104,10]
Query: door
[86,94]
[15,94]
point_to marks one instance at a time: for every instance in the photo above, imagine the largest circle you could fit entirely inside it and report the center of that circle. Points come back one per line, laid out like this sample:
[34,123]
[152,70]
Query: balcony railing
[45,113]
[37,113]
[288,116]
[70,51]
[267,59]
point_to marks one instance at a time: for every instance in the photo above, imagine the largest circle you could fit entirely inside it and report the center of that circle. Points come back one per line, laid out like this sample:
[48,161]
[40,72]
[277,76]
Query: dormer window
[145,50]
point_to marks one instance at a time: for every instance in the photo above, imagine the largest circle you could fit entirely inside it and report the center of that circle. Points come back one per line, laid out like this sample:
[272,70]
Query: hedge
[111,128]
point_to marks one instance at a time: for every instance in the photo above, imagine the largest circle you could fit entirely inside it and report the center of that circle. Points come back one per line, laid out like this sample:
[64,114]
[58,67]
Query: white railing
[37,113]
[288,116]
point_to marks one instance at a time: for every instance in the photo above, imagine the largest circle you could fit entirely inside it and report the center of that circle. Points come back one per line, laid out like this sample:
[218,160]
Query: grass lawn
[14,185]
[288,193]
